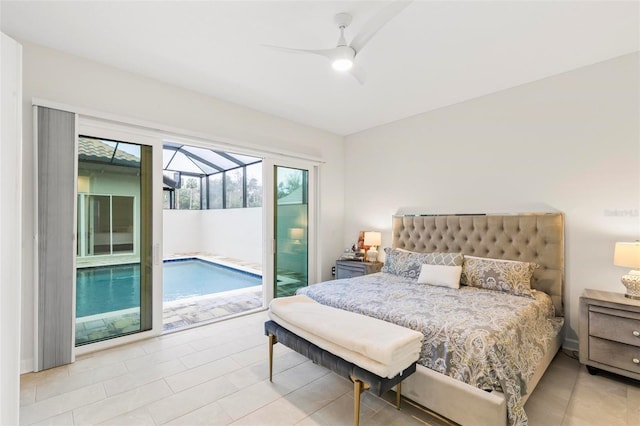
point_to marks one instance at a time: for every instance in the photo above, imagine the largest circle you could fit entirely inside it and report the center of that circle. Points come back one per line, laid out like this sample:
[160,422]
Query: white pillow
[440,275]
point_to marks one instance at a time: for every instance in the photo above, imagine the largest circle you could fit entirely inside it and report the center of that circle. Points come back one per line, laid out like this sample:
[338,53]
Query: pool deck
[182,313]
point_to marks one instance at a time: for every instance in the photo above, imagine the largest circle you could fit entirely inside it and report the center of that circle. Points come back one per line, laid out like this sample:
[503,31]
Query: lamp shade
[626,254]
[296,233]
[372,238]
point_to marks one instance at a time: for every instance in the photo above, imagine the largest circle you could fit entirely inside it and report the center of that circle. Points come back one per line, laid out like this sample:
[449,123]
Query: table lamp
[296,235]
[628,255]
[373,240]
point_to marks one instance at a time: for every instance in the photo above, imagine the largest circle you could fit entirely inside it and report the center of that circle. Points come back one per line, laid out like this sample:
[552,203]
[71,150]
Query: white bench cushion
[378,346]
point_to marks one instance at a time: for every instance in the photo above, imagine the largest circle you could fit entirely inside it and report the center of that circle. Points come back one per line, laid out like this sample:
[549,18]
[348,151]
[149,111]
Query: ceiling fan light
[342,64]
[342,58]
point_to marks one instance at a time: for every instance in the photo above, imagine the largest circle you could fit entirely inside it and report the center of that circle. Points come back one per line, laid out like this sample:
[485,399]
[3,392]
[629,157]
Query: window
[198,178]
[234,188]
[105,224]
[215,191]
[254,185]
[188,195]
[168,198]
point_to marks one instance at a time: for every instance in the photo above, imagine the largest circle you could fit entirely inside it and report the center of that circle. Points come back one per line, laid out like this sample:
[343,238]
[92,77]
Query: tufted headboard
[535,238]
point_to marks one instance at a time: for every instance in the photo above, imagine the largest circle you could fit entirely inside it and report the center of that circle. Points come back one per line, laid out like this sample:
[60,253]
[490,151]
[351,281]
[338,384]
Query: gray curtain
[56,138]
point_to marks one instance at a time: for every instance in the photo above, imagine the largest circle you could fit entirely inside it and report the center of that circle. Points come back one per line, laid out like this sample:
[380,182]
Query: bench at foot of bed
[362,379]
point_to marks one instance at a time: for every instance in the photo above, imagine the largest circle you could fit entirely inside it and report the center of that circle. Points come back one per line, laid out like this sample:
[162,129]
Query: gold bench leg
[272,341]
[358,387]
[398,393]
[357,390]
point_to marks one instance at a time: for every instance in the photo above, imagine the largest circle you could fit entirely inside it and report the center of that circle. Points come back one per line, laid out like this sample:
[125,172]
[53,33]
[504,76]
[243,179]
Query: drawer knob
[636,361]
[636,333]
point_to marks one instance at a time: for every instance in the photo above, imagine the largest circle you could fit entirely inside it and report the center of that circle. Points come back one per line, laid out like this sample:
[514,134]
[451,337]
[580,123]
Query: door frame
[99,128]
[268,220]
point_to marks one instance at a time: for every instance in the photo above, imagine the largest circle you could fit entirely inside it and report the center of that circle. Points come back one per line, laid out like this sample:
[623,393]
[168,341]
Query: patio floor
[196,310]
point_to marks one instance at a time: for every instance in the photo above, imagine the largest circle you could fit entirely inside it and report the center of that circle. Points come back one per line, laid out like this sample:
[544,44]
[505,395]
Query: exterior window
[215,191]
[234,186]
[196,178]
[254,185]
[188,195]
[167,198]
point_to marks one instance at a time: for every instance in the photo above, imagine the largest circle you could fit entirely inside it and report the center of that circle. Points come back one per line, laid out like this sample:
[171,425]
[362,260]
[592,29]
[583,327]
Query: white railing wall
[235,233]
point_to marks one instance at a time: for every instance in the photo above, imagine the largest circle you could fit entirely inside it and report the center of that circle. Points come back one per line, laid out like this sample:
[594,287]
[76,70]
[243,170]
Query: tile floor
[217,374]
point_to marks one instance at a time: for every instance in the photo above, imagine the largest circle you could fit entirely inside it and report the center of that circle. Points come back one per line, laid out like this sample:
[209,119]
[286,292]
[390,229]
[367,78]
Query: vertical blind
[56,135]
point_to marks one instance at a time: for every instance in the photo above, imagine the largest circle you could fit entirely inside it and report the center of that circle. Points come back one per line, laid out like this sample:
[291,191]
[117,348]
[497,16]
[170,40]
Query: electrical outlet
[333,271]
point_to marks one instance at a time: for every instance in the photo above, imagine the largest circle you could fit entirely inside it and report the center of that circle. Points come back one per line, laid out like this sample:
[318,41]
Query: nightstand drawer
[616,325]
[615,354]
[348,273]
[349,269]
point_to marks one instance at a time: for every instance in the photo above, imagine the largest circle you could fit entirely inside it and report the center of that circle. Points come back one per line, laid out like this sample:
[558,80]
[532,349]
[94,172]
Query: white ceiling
[431,55]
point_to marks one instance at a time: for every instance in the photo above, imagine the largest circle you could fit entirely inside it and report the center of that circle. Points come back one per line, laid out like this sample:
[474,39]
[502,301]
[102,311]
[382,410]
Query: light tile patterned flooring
[218,374]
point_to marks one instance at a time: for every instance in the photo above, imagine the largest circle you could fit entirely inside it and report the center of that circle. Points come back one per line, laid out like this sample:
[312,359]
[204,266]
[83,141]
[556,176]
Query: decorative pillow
[446,259]
[440,275]
[509,276]
[403,263]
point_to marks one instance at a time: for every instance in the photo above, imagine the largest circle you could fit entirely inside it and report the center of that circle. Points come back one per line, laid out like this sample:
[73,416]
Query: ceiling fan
[342,57]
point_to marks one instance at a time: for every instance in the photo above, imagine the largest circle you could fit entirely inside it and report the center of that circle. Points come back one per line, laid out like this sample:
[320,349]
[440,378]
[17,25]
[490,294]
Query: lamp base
[632,282]
[372,254]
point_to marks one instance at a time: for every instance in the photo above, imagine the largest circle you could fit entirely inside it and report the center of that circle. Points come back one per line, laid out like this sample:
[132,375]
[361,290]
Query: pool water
[106,289]
[195,277]
[112,288]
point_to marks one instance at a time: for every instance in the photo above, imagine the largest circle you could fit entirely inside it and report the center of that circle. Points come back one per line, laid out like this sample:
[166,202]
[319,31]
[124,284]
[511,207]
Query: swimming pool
[103,289]
[194,277]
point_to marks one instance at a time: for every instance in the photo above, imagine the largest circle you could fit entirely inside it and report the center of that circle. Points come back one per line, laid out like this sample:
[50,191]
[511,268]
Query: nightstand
[351,268]
[610,333]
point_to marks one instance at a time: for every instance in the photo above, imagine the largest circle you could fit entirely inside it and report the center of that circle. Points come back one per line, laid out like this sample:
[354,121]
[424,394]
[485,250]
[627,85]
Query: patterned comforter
[487,339]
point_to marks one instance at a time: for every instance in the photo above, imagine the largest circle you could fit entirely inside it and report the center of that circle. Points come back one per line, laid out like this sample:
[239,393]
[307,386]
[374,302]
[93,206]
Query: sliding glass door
[105,224]
[291,230]
[114,261]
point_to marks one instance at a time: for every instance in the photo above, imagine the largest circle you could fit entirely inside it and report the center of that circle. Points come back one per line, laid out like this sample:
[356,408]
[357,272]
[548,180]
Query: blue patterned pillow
[445,259]
[404,263]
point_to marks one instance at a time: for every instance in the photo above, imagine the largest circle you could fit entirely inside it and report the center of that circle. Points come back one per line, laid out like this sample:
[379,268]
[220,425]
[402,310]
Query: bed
[484,350]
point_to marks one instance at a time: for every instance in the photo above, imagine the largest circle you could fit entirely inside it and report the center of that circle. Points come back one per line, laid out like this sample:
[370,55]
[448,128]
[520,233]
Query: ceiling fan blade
[327,53]
[358,73]
[378,21]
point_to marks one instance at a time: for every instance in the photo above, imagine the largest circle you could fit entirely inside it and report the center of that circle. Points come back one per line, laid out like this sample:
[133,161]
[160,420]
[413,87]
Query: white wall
[10,223]
[181,231]
[570,141]
[67,79]
[233,233]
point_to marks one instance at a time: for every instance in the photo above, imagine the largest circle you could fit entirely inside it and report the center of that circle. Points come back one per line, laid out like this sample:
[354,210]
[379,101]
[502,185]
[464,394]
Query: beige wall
[569,142]
[59,77]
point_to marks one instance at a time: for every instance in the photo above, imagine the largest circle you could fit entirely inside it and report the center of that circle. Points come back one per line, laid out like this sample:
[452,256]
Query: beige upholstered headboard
[535,238]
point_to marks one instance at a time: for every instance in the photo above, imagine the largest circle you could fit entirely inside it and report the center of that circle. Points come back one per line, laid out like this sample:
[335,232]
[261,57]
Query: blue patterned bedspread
[487,339]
